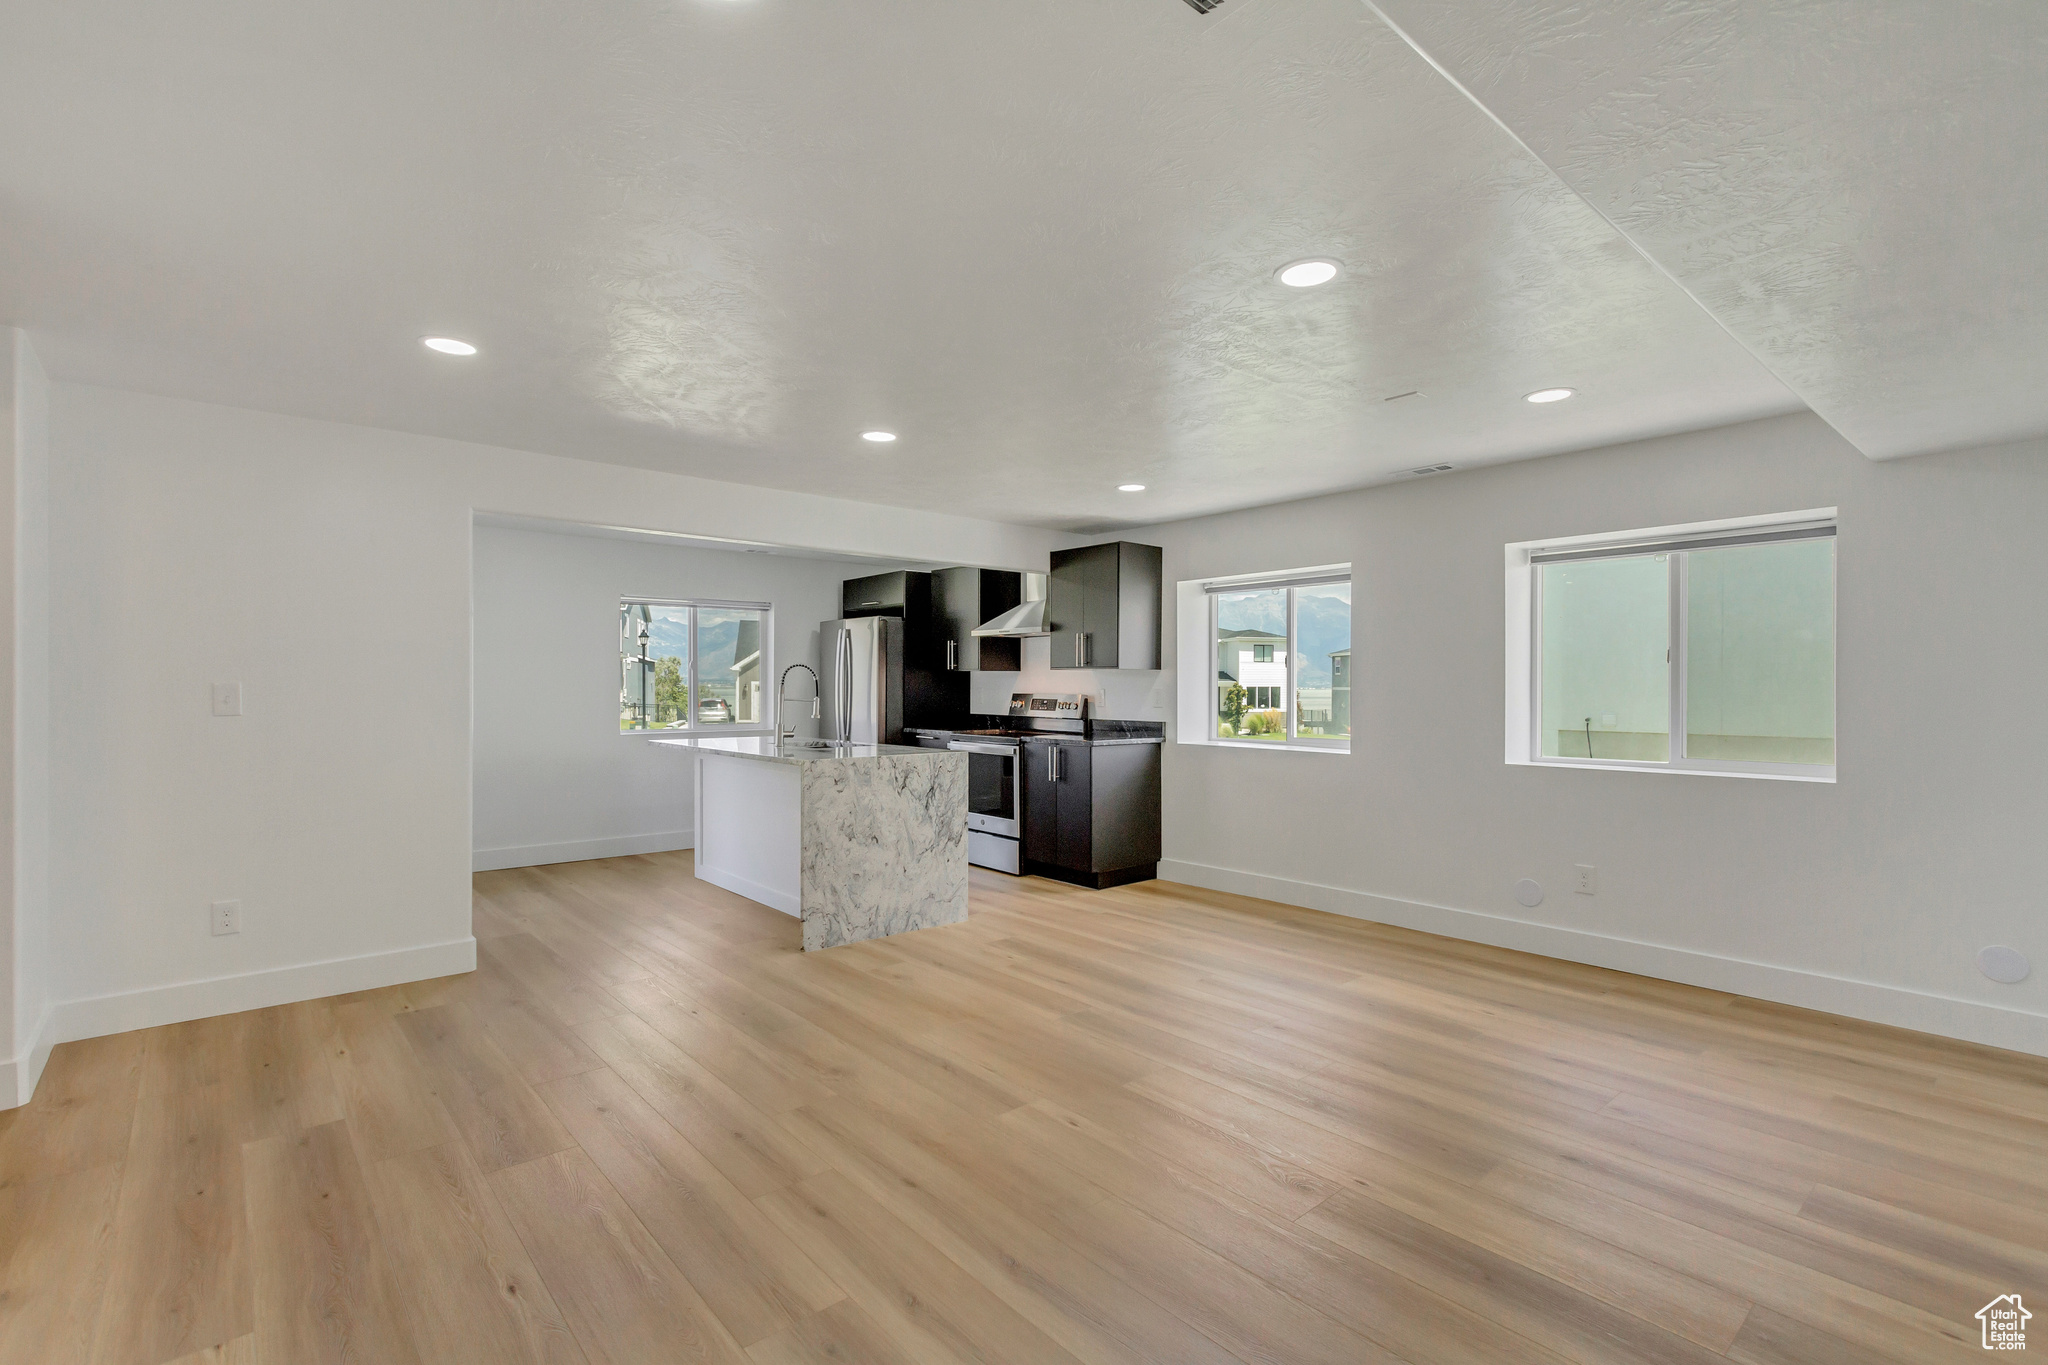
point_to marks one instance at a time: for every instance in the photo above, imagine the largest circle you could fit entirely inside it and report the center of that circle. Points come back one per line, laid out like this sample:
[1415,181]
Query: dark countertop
[1099,733]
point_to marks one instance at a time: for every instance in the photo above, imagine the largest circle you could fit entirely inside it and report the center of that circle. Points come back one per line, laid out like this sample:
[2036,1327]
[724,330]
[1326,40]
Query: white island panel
[748,817]
[858,841]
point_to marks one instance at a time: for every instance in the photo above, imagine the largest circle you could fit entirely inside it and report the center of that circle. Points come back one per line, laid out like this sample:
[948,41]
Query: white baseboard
[19,1073]
[580,850]
[71,1020]
[752,890]
[1970,1020]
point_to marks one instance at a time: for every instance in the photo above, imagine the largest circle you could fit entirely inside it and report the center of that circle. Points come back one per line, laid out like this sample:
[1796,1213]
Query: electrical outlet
[227,917]
[227,699]
[1587,883]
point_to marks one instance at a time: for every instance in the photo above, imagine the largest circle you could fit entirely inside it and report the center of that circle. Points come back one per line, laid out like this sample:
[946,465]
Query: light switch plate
[227,699]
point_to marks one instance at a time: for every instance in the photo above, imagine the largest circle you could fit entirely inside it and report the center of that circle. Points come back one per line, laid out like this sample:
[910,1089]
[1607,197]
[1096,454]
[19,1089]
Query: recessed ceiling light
[878,436]
[1130,488]
[1305,274]
[1547,396]
[447,345]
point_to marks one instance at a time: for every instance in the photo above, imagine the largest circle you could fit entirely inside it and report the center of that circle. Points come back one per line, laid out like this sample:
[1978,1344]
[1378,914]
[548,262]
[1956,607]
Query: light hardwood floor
[1148,1124]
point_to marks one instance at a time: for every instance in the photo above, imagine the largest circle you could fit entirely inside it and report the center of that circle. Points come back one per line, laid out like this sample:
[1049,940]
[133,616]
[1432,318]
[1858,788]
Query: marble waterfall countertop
[858,841]
[772,750]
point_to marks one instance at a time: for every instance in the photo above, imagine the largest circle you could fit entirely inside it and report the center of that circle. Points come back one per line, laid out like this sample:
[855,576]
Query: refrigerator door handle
[842,679]
[876,694]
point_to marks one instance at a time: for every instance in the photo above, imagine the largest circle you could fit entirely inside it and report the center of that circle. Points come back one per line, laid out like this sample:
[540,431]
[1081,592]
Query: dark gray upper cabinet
[907,594]
[1102,605]
[964,598]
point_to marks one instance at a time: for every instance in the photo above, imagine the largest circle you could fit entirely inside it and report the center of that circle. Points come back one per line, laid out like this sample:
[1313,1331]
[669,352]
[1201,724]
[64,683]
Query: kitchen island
[858,841]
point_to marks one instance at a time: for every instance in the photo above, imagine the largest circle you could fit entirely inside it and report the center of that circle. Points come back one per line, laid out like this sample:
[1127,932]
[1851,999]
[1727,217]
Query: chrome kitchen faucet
[782,687]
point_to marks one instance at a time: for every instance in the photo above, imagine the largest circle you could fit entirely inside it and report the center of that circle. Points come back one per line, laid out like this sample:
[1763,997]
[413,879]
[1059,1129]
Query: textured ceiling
[1854,188]
[725,236]
[862,564]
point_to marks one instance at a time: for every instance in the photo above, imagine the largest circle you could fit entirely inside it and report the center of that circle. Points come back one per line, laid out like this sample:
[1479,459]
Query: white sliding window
[1281,652]
[693,665]
[1705,653]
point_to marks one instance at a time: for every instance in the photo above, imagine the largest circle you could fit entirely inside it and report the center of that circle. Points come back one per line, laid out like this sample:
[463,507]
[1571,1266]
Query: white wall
[326,568]
[554,779]
[24,923]
[1869,897]
[1125,694]
[14,359]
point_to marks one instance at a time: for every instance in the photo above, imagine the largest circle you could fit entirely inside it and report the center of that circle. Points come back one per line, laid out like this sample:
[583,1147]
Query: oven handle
[1000,750]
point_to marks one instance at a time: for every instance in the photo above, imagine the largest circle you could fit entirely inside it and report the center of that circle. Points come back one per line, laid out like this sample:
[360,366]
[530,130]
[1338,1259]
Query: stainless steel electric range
[995,771]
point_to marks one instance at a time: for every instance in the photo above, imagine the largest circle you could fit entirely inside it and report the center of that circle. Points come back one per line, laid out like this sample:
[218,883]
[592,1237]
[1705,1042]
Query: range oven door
[995,775]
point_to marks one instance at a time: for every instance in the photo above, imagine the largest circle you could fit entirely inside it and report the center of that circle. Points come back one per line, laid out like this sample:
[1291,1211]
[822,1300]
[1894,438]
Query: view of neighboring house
[1255,660]
[1340,692]
[654,662]
[1326,710]
[746,671]
[639,663]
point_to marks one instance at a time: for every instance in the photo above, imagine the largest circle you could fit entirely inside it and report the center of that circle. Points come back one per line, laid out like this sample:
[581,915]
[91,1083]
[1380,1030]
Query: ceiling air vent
[1428,469]
[1203,6]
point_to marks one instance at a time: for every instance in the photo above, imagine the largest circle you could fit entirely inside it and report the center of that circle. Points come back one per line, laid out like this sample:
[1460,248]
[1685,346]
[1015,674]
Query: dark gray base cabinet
[1091,812]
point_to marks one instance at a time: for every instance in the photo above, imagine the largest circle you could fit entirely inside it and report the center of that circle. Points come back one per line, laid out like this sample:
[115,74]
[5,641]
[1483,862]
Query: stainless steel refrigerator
[862,679]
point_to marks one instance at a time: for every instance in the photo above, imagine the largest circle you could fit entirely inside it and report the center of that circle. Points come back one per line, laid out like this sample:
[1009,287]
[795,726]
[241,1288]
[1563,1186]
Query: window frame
[1676,545]
[691,725]
[1291,582]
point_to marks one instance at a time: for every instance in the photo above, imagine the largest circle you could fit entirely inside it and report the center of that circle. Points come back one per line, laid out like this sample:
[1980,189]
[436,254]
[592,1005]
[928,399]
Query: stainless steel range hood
[1025,619]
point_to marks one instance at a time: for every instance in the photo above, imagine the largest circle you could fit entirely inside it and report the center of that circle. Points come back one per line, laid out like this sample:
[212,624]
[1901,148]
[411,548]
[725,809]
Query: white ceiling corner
[1851,187]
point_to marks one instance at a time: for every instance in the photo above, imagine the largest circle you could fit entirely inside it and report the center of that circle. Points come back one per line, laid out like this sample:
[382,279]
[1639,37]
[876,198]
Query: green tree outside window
[671,692]
[1233,707]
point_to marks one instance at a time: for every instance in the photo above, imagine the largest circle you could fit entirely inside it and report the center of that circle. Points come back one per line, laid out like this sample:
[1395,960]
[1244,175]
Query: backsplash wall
[1117,693]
